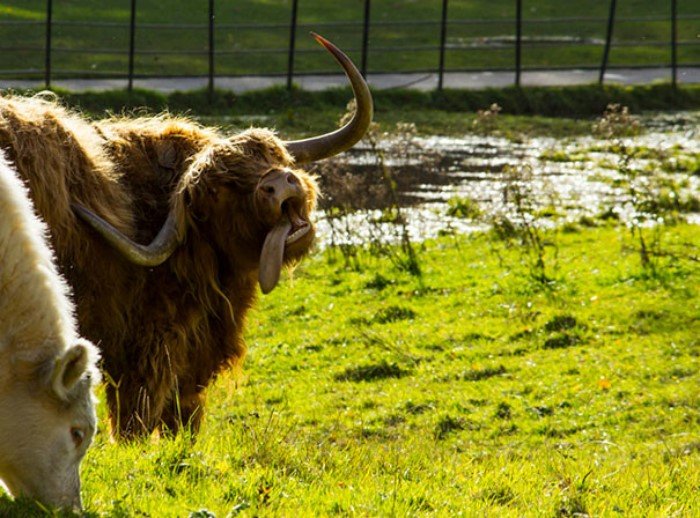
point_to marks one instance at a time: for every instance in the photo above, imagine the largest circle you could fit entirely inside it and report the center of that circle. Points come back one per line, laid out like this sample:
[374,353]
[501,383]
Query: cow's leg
[125,421]
[186,411]
[136,400]
[135,408]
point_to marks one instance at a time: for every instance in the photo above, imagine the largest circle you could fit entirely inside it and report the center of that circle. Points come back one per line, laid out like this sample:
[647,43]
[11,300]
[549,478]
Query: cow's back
[59,156]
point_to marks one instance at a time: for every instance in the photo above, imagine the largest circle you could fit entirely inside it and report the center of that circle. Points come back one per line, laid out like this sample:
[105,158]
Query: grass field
[468,390]
[552,38]
[557,112]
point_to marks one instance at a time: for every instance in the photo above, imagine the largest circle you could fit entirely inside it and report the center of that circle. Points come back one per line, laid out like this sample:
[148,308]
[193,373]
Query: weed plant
[519,222]
[486,121]
[348,195]
[652,196]
[407,258]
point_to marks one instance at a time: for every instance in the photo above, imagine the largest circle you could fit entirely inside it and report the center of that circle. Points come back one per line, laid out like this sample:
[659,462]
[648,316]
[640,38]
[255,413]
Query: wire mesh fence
[131,39]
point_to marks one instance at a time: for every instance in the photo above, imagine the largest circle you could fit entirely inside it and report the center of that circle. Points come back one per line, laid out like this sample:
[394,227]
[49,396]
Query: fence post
[292,44]
[518,39]
[365,39]
[211,50]
[47,50]
[132,45]
[674,43]
[443,37]
[608,40]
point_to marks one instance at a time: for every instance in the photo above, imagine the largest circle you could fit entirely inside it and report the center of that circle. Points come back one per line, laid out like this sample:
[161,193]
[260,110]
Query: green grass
[470,390]
[243,49]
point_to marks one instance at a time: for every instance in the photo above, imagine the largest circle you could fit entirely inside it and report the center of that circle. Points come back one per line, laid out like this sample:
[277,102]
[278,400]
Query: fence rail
[208,49]
[348,23]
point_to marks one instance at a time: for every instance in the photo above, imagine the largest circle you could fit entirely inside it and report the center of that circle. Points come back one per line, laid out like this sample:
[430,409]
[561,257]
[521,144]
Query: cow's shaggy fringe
[36,313]
[164,332]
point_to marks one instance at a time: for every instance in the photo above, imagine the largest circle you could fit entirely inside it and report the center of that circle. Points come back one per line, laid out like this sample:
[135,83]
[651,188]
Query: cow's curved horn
[324,146]
[162,246]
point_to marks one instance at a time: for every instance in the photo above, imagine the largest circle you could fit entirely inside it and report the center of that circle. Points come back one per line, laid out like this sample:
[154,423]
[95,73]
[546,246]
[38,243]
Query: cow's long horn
[324,146]
[162,246]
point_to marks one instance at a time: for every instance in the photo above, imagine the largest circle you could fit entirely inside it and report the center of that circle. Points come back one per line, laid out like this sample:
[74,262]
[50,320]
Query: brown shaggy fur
[164,332]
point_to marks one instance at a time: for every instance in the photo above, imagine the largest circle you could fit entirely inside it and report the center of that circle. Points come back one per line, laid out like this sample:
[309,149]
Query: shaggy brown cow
[168,316]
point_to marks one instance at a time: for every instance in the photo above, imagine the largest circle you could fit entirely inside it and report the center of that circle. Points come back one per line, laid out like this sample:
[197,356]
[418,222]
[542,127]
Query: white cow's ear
[68,369]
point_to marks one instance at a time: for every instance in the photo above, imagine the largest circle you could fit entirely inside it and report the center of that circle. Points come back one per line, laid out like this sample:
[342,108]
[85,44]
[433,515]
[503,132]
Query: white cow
[47,415]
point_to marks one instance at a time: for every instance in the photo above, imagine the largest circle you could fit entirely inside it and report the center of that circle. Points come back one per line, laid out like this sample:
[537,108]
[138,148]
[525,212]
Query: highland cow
[47,416]
[221,214]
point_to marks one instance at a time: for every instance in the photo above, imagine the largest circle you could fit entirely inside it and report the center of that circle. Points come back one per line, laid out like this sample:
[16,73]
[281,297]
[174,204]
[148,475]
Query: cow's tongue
[272,255]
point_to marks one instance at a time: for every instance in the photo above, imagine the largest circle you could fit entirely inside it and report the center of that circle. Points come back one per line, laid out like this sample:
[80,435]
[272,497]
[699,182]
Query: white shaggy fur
[47,416]
[35,309]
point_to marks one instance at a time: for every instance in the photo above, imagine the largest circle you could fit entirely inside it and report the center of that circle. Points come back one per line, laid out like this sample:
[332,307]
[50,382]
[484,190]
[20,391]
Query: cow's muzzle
[282,199]
[280,190]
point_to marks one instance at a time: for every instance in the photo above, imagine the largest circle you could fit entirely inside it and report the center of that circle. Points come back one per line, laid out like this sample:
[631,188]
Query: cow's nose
[280,186]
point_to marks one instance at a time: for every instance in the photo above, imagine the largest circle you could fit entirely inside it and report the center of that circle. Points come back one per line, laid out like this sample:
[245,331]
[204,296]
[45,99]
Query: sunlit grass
[372,392]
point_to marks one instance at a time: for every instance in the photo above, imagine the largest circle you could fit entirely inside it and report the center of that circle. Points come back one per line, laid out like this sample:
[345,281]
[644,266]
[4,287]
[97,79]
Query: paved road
[429,81]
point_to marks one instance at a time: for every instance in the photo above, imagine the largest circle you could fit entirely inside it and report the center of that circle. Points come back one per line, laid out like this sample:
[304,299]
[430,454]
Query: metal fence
[214,54]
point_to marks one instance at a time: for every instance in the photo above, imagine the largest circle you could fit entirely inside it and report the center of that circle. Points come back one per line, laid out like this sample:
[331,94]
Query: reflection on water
[575,177]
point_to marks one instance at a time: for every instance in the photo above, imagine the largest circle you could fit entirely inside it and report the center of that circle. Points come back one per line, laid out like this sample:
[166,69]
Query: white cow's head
[47,422]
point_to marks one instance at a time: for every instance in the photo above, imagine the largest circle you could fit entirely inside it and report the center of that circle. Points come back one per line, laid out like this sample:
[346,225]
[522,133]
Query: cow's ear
[166,153]
[69,368]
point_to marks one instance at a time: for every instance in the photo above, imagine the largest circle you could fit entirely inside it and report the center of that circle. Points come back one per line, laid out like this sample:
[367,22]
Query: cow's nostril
[291,179]
[268,189]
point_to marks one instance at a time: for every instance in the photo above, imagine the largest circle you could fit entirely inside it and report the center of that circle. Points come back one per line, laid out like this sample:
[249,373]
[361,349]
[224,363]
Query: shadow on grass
[29,508]
[372,372]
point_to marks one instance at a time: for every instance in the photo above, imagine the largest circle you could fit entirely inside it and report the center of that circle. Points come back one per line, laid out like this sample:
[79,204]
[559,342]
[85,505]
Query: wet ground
[440,180]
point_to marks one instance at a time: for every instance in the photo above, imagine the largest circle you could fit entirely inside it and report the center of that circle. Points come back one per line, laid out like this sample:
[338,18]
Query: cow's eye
[78,435]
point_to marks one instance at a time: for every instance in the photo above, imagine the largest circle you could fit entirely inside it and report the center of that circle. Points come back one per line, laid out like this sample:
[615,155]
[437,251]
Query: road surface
[419,81]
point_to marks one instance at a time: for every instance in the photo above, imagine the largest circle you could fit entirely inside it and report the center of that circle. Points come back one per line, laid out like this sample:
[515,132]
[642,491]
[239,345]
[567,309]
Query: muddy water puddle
[566,179]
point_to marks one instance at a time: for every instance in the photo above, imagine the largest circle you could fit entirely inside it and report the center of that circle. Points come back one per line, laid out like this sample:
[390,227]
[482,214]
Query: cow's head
[249,194]
[48,422]
[246,196]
